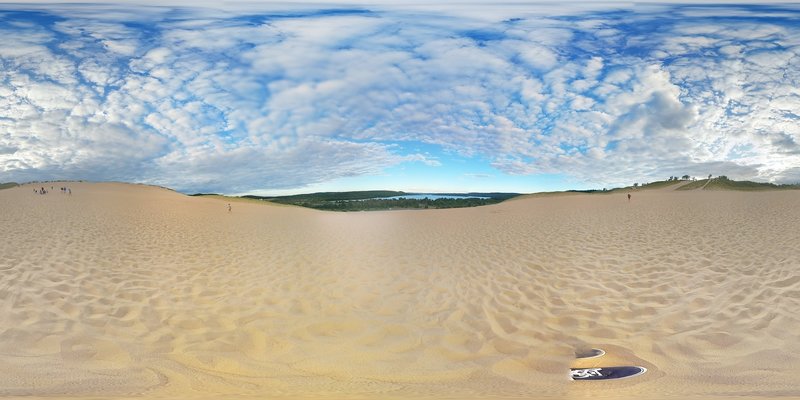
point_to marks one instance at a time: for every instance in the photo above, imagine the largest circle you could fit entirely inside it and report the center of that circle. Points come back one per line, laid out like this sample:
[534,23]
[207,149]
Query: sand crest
[127,290]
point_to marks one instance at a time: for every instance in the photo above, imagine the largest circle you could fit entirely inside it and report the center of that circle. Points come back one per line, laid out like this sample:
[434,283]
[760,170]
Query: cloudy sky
[291,97]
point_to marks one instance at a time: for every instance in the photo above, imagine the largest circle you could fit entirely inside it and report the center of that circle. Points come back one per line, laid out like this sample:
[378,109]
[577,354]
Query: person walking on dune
[629,197]
[229,207]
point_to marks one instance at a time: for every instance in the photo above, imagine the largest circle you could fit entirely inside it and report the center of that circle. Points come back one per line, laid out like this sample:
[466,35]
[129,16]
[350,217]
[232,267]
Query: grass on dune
[723,183]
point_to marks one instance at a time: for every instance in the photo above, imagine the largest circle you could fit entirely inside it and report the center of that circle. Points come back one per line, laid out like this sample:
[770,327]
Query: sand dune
[127,290]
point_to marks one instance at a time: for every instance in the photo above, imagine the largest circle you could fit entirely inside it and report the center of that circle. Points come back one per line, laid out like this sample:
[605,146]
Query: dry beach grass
[126,290]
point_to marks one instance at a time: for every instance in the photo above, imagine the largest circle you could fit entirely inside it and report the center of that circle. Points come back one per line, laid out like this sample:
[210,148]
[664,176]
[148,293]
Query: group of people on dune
[42,190]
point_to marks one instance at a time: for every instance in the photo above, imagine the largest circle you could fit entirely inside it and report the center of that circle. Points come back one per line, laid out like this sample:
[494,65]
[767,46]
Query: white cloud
[294,99]
[538,57]
[478,175]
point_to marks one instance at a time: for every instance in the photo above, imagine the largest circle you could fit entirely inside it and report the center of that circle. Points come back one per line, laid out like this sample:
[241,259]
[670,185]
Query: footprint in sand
[589,353]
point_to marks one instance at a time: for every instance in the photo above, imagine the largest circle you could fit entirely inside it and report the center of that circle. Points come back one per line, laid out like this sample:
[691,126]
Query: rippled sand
[126,290]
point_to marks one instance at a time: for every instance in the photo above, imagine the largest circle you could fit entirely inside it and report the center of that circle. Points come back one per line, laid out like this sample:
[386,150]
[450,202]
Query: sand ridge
[128,290]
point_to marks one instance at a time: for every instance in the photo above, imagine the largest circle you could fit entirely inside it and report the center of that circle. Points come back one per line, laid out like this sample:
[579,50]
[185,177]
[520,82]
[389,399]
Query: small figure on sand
[629,197]
[229,207]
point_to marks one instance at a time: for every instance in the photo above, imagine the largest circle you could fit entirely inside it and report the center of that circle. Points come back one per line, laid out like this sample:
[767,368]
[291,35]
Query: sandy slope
[123,290]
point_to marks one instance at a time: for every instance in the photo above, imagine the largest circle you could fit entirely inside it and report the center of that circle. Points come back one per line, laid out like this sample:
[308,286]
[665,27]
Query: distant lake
[429,196]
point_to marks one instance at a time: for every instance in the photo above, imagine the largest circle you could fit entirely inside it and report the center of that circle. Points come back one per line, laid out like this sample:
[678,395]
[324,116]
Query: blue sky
[294,97]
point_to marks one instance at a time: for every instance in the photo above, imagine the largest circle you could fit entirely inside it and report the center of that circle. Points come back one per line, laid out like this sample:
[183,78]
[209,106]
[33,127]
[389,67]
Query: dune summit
[125,290]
